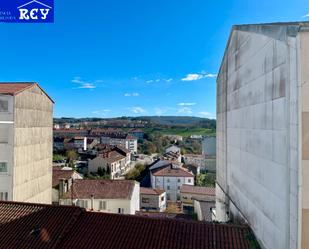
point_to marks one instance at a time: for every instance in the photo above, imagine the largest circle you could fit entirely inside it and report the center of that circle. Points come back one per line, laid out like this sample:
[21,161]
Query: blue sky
[112,58]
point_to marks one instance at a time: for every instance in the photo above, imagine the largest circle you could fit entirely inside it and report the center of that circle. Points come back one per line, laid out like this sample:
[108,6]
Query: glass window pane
[3,167]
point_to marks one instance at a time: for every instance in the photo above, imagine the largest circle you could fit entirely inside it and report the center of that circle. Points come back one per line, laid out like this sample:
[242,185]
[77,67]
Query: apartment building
[262,132]
[152,199]
[120,139]
[26,123]
[170,176]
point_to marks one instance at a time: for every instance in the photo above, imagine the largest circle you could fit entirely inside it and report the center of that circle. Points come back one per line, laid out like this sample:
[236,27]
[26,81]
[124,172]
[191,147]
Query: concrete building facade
[26,122]
[262,132]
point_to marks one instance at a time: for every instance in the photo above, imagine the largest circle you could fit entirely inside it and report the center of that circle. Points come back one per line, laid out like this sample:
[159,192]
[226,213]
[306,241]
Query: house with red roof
[170,176]
[152,199]
[109,196]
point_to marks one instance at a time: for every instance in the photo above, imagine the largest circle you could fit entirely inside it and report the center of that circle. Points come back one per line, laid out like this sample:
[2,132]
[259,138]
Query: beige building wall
[32,167]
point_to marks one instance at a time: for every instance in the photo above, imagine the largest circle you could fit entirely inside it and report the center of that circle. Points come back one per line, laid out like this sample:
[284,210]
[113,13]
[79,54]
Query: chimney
[62,188]
[85,143]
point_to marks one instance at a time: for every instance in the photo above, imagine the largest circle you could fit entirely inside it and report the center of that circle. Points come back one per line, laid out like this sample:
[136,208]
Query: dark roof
[13,88]
[198,190]
[101,189]
[151,191]
[32,226]
[37,226]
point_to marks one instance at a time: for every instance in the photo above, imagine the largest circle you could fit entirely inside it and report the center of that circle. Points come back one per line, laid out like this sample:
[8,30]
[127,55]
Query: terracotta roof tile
[58,173]
[36,226]
[170,171]
[151,191]
[198,190]
[101,189]
[14,88]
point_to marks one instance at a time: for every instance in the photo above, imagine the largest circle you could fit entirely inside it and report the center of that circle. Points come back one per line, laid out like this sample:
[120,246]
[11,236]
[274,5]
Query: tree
[71,155]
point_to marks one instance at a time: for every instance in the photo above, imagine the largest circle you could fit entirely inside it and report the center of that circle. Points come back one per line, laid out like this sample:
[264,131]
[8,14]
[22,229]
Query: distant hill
[183,121]
[180,121]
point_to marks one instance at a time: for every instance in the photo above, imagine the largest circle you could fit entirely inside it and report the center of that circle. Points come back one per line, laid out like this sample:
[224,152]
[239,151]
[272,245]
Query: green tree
[71,155]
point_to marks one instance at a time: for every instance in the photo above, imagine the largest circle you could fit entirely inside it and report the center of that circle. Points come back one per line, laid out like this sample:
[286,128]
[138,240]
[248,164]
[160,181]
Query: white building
[110,196]
[26,126]
[263,132]
[209,146]
[115,160]
[170,176]
[153,200]
[119,139]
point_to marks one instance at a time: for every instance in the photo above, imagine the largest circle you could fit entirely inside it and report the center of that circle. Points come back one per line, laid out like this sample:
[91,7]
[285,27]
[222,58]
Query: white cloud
[83,84]
[157,80]
[185,110]
[198,76]
[206,114]
[131,94]
[307,15]
[186,104]
[149,81]
[137,110]
[168,80]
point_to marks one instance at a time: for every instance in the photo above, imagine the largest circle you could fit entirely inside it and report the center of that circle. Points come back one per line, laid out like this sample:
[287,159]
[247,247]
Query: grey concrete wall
[33,122]
[257,130]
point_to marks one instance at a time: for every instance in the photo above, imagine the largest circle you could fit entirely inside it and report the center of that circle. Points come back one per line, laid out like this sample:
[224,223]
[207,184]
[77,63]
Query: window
[179,180]
[178,187]
[4,105]
[162,198]
[3,196]
[120,210]
[102,205]
[145,200]
[168,196]
[189,180]
[3,167]
[168,187]
[168,180]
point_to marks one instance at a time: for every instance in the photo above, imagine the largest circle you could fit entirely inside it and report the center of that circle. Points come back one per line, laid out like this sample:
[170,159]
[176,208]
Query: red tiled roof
[170,171]
[58,173]
[32,226]
[198,190]
[151,191]
[37,226]
[101,189]
[13,88]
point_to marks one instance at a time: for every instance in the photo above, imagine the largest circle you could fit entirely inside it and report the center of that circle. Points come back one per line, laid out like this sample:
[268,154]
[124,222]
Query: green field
[185,132]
